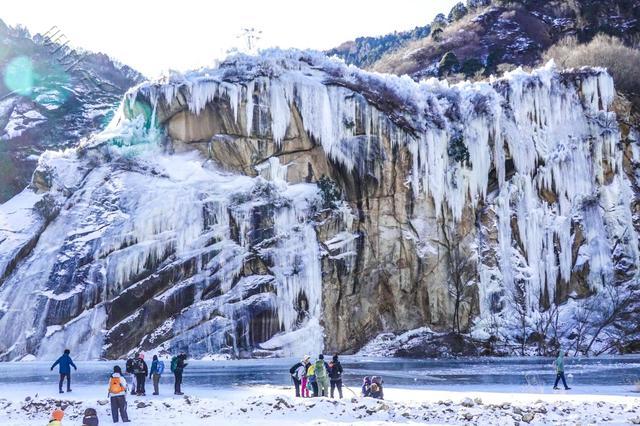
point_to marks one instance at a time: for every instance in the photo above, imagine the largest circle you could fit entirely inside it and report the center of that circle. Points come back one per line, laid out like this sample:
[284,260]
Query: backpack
[174,364]
[319,369]
[115,386]
[160,367]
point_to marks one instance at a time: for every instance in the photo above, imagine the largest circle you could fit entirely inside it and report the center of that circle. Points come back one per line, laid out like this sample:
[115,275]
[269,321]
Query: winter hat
[141,356]
[320,356]
[57,414]
[306,358]
[335,358]
[117,369]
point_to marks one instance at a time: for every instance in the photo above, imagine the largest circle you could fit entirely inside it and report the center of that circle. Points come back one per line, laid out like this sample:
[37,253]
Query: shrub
[329,191]
[458,12]
[448,64]
[470,67]
[458,150]
[622,62]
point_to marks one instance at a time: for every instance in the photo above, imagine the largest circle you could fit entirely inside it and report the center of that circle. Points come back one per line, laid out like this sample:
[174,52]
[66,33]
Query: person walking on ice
[65,363]
[559,364]
[117,395]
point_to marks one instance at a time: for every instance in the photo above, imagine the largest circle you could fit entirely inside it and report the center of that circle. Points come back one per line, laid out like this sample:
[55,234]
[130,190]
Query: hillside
[483,35]
[50,101]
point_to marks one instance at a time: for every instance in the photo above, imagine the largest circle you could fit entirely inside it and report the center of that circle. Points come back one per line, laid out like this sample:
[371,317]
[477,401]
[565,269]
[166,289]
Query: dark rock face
[47,104]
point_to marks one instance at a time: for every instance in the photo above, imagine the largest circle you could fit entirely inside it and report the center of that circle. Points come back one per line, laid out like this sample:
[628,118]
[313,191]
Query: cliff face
[205,218]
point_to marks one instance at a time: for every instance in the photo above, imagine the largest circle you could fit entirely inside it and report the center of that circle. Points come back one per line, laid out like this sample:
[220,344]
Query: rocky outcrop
[207,219]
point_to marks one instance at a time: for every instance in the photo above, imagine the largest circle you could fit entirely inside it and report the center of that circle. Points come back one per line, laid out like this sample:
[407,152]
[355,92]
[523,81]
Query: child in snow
[366,386]
[305,366]
[56,417]
[559,364]
[117,394]
[90,417]
[376,388]
[311,378]
[157,368]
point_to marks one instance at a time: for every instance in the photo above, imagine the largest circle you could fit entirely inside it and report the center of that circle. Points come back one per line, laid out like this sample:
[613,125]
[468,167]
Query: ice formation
[539,150]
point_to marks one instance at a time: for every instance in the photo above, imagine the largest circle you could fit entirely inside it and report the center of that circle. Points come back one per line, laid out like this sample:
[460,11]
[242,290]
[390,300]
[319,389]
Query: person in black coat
[141,370]
[335,375]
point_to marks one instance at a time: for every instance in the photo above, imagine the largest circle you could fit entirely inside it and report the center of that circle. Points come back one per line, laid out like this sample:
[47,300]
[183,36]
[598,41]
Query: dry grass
[622,62]
[407,60]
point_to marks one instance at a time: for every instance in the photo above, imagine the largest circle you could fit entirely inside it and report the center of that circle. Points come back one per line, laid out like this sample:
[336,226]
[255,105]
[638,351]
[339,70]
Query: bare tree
[461,272]
[518,301]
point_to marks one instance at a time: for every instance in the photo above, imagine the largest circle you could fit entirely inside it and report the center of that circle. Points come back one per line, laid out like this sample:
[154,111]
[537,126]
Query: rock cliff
[287,203]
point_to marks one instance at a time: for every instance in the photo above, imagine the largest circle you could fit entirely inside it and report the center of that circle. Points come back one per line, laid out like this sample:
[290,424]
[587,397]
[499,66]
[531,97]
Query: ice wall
[226,262]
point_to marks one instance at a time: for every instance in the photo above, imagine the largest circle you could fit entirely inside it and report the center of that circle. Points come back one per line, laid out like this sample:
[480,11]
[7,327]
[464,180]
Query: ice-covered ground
[484,391]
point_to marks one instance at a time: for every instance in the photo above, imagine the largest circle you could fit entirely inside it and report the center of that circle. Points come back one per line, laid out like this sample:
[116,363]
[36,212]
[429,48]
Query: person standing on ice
[157,368]
[559,364]
[305,367]
[320,370]
[117,395]
[335,375]
[140,369]
[129,366]
[297,373]
[177,368]
[65,363]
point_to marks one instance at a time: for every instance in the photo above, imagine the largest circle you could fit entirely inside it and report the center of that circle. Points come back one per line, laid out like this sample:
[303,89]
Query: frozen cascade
[226,262]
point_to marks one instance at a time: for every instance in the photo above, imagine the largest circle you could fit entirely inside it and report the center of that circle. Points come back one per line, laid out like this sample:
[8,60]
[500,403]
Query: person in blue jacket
[65,363]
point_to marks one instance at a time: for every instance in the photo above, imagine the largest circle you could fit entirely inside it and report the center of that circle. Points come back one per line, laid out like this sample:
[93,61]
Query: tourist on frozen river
[322,378]
[117,394]
[157,368]
[177,368]
[140,369]
[559,364]
[335,375]
[65,363]
[298,372]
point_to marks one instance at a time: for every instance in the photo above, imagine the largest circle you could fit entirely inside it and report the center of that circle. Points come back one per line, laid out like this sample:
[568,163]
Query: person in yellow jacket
[56,417]
[311,378]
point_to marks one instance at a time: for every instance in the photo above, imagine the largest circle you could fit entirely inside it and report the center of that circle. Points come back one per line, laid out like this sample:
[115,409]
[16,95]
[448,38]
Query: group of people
[319,378]
[136,370]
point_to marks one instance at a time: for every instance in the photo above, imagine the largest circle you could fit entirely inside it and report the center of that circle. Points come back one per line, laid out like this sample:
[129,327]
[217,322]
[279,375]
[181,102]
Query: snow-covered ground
[486,391]
[266,405]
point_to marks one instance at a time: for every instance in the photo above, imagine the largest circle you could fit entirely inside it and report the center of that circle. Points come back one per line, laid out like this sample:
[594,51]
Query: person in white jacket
[117,394]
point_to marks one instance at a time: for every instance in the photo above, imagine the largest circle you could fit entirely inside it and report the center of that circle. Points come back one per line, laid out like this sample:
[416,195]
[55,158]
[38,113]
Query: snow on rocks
[273,407]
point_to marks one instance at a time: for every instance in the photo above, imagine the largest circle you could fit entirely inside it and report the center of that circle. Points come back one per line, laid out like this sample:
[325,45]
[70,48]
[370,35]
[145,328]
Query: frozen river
[602,375]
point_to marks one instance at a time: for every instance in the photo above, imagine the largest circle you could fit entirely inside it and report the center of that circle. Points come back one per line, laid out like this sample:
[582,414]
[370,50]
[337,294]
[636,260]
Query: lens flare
[19,75]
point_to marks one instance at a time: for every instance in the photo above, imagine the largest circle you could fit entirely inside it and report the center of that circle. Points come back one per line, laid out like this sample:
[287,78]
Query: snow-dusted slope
[193,222]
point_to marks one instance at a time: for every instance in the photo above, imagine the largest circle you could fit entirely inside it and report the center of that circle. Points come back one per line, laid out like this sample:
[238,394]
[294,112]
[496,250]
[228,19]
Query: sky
[155,36]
